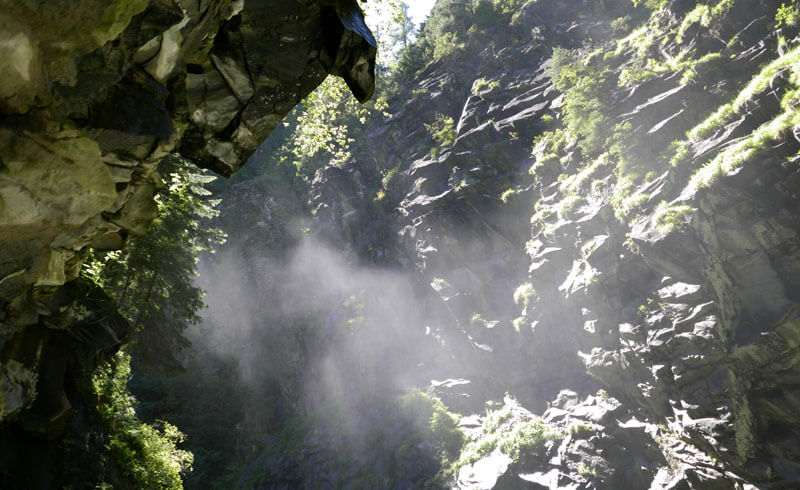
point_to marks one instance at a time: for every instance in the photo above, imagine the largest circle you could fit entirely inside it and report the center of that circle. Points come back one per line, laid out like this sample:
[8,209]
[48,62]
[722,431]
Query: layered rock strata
[664,273]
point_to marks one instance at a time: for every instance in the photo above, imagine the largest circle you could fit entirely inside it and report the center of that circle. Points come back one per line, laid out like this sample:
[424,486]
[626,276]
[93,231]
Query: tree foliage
[325,128]
[443,132]
[148,454]
[207,401]
[151,278]
[150,282]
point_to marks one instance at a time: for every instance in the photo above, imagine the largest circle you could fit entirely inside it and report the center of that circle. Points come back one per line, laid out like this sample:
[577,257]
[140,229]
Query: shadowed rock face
[683,306]
[93,94]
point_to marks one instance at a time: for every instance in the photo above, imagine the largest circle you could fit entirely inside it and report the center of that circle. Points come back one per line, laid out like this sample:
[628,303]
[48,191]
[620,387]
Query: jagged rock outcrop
[94,94]
[660,263]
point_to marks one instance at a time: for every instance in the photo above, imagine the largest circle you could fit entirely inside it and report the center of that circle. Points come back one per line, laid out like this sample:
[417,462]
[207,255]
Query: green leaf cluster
[443,132]
[668,217]
[148,454]
[584,86]
[482,84]
[151,279]
[328,123]
[438,425]
[788,15]
[508,430]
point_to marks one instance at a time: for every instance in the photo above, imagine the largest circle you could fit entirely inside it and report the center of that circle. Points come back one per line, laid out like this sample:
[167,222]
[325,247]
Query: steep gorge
[604,253]
[569,258]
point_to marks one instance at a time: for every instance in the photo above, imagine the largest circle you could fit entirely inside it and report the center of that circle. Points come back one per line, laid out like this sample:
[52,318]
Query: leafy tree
[147,453]
[323,132]
[151,278]
[384,17]
[207,402]
[584,108]
[446,44]
[328,121]
[413,58]
[448,16]
[484,13]
[444,31]
[403,30]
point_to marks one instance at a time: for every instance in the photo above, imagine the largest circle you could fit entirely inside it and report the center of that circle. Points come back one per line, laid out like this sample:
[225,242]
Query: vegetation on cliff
[596,149]
[151,284]
[558,248]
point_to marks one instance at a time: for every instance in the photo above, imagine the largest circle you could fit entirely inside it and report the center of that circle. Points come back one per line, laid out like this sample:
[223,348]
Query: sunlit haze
[491,244]
[419,10]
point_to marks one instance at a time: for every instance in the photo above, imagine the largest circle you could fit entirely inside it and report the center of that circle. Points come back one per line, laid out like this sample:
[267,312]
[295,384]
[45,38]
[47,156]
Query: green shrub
[704,15]
[512,436]
[578,429]
[546,150]
[477,320]
[443,132]
[507,194]
[482,84]
[445,431]
[446,44]
[584,88]
[669,217]
[148,454]
[479,85]
[755,86]
[746,149]
[484,13]
[567,204]
[518,323]
[587,470]
[437,424]
[389,176]
[621,25]
[787,15]
[678,152]
[528,438]
[625,199]
[575,183]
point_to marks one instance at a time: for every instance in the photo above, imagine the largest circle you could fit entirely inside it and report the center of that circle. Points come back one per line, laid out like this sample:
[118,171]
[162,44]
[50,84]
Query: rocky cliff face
[593,209]
[93,94]
[636,196]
